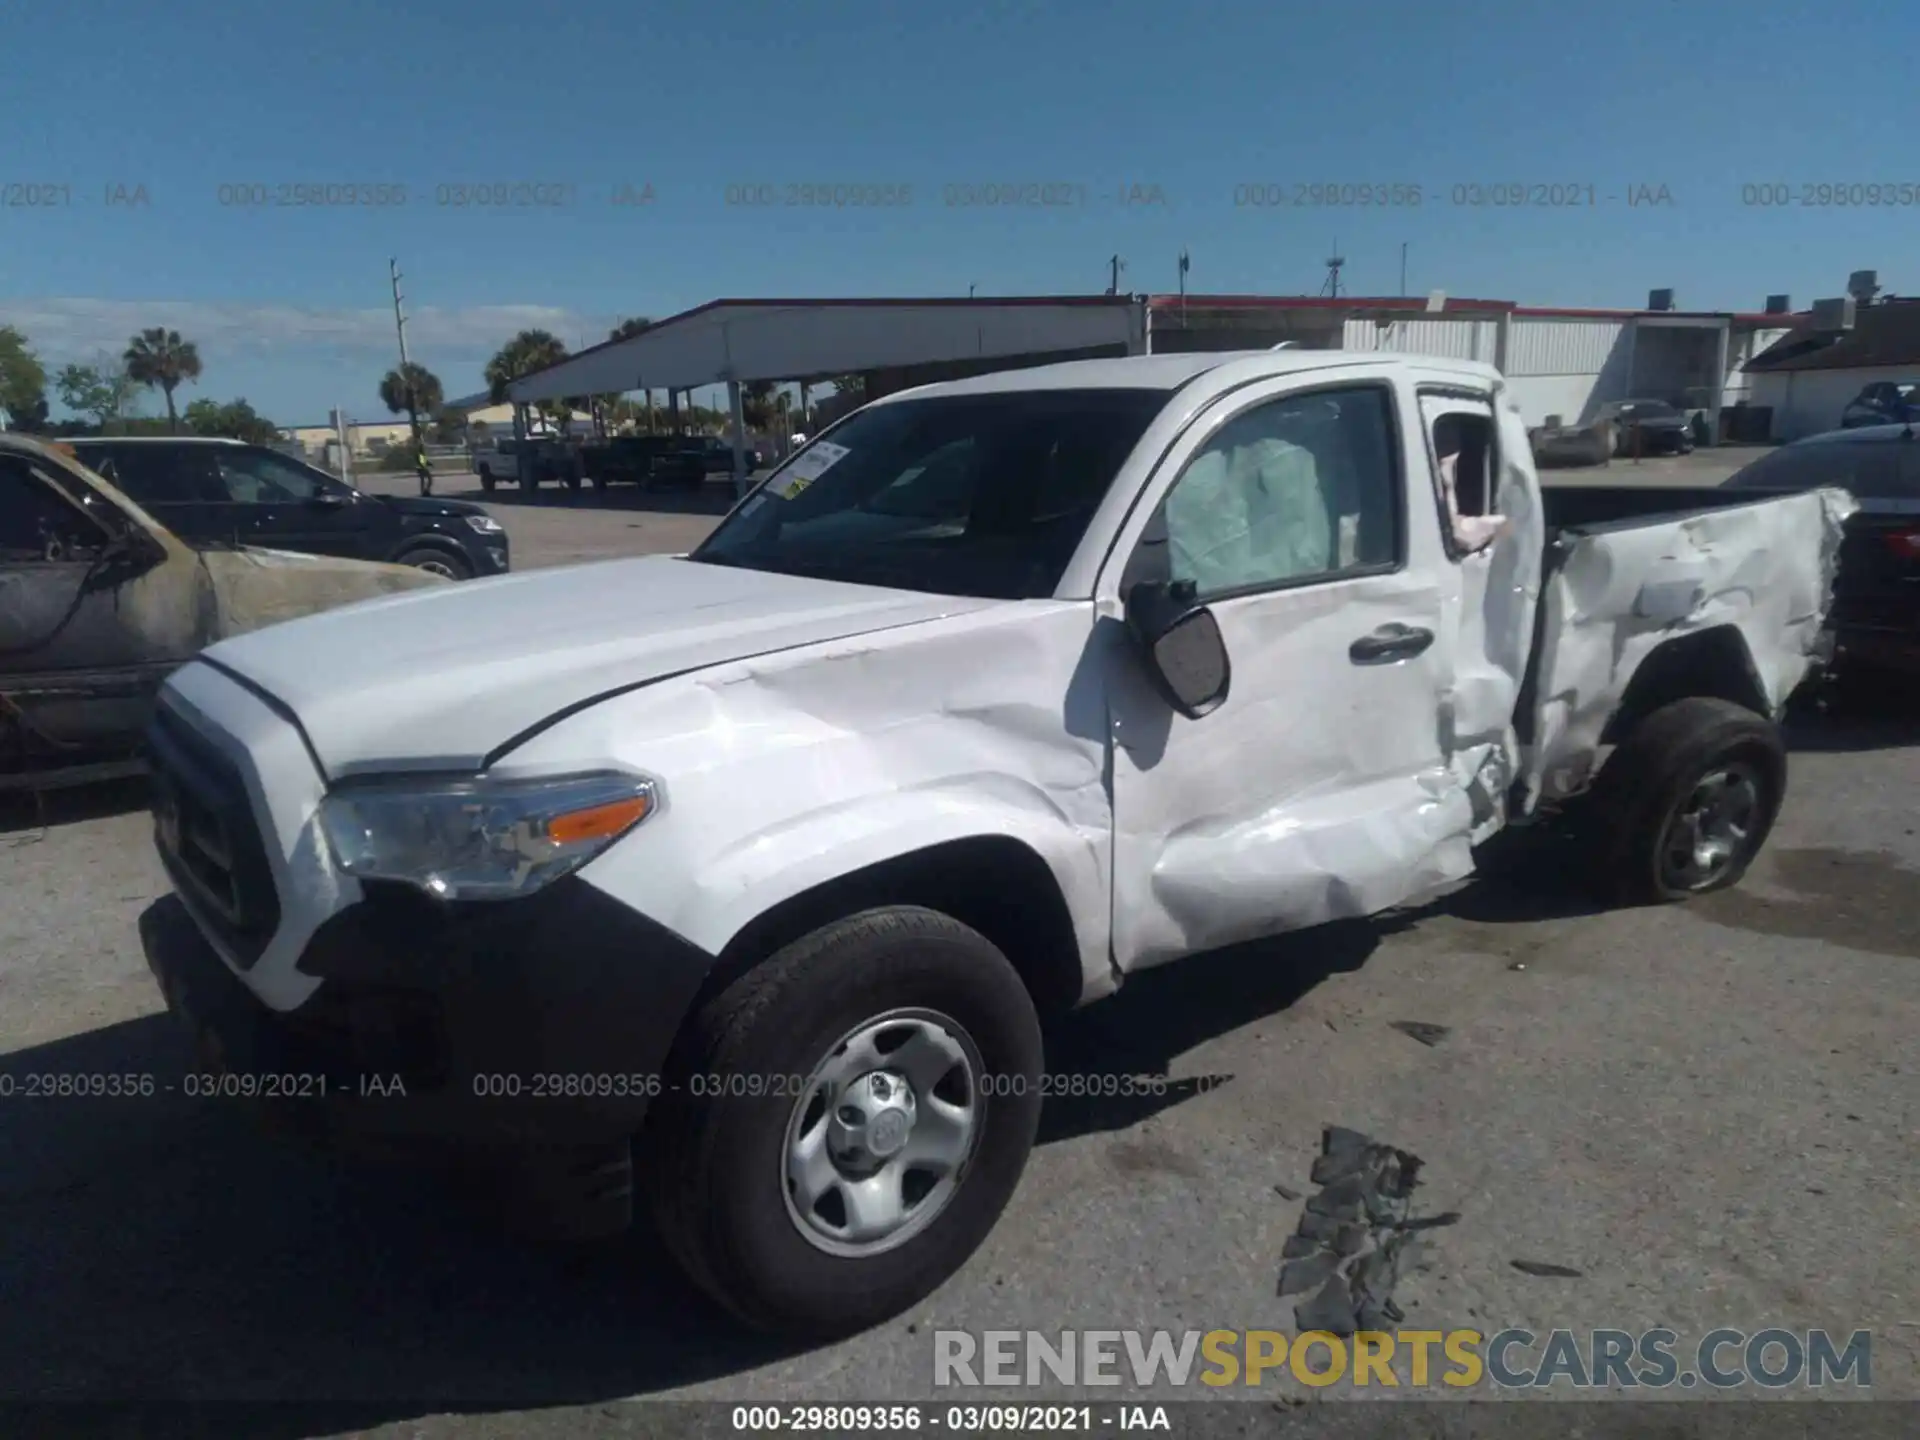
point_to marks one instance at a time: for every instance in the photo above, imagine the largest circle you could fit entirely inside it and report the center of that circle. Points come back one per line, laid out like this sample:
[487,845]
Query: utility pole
[1185,265]
[1403,267]
[406,379]
[1116,265]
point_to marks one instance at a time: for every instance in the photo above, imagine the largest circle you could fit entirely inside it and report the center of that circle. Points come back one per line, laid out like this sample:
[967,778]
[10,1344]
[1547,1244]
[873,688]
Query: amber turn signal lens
[598,822]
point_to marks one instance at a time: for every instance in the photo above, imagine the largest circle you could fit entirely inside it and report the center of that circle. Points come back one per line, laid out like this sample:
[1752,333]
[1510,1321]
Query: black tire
[714,1167]
[600,482]
[439,562]
[1655,772]
[529,482]
[486,481]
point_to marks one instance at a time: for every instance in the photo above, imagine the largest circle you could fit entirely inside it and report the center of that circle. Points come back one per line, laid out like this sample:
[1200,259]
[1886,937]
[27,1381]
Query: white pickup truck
[741,880]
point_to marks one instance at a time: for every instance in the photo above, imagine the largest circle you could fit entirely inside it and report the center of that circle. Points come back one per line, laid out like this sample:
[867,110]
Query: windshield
[977,495]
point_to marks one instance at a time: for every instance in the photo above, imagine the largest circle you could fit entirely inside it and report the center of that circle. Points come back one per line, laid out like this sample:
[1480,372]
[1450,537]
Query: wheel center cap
[887,1132]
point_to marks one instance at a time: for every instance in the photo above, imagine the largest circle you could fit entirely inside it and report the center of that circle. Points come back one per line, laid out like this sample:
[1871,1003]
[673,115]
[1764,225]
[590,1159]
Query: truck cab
[745,877]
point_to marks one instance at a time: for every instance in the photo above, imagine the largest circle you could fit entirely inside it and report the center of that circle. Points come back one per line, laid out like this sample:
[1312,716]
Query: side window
[1466,472]
[37,524]
[161,475]
[259,477]
[1297,489]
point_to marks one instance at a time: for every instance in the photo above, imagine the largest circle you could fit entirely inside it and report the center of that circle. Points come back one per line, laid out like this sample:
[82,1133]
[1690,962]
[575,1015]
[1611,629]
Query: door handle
[1389,642]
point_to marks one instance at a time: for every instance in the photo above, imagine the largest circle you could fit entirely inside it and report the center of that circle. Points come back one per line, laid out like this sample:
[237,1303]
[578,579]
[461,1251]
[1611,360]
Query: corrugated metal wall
[1561,347]
[1454,339]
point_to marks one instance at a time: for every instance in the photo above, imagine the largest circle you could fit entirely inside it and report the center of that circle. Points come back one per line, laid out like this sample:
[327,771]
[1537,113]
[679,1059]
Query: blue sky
[162,106]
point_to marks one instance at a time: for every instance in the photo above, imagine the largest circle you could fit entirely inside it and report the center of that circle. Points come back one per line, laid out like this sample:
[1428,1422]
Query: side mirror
[326,500]
[1180,642]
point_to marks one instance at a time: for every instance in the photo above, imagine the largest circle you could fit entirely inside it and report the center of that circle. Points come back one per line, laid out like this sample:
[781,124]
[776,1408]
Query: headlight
[485,524]
[481,839]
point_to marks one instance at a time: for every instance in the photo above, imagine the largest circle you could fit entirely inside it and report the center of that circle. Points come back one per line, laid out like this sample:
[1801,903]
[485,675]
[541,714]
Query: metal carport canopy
[812,340]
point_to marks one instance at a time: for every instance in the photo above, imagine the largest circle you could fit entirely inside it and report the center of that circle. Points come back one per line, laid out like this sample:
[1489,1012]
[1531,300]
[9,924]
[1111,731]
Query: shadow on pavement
[1857,713]
[1162,1013]
[162,1249]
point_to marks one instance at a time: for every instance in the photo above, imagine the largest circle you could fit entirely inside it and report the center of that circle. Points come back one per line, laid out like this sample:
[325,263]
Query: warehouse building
[1843,346]
[1562,363]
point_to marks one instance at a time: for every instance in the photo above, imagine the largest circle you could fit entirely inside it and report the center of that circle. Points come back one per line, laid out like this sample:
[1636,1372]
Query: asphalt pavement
[1708,1113]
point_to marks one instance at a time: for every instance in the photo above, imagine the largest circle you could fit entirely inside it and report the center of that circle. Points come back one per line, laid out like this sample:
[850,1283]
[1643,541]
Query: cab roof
[1170,372]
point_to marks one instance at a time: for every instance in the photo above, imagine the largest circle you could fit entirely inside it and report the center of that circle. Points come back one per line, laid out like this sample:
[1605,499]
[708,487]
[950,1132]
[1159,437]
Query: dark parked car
[1649,427]
[1876,604]
[1885,402]
[716,453]
[211,491]
[652,462]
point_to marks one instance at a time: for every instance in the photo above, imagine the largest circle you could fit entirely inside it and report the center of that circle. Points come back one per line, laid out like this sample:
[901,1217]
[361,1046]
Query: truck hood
[445,678]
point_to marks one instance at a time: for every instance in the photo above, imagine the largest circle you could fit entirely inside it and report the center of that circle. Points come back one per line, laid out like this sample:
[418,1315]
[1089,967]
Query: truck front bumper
[526,1024]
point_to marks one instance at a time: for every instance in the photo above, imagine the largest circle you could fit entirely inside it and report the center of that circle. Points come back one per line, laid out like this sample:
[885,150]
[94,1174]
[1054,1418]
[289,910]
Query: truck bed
[1743,579]
[1591,509]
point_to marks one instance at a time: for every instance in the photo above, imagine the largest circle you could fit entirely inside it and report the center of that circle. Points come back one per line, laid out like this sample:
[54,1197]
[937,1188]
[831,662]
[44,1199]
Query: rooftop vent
[1660,300]
[1863,285]
[1779,305]
[1833,315]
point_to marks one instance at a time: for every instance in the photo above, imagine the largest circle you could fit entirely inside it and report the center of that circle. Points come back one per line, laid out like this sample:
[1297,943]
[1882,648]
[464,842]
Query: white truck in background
[740,880]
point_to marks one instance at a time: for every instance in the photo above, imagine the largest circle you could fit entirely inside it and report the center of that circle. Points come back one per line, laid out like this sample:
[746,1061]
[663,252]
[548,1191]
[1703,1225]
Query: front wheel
[1687,800]
[847,1122]
[437,562]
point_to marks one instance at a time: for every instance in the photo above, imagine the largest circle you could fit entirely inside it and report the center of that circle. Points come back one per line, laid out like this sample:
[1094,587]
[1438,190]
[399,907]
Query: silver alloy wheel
[1712,828]
[881,1134]
[437,566]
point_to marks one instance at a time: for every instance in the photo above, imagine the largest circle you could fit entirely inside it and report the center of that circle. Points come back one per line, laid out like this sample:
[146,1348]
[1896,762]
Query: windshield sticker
[814,462]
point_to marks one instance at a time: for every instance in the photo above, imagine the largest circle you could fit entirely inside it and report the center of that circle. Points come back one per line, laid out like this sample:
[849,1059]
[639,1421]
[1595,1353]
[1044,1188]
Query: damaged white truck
[737,883]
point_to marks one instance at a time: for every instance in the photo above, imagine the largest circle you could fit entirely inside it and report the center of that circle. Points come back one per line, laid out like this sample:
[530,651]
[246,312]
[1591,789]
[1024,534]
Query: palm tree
[756,403]
[527,352]
[411,390]
[159,357]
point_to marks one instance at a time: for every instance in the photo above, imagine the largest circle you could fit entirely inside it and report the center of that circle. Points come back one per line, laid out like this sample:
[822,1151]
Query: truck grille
[204,828]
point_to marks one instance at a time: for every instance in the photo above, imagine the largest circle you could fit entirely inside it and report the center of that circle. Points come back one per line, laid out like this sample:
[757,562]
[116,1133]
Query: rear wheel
[847,1122]
[1686,801]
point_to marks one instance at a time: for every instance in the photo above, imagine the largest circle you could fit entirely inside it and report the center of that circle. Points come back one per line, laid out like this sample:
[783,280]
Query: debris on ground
[1420,1030]
[1546,1271]
[1356,1236]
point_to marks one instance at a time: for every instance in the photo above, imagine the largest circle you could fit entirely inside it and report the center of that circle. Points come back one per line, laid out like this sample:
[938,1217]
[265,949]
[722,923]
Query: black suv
[214,492]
